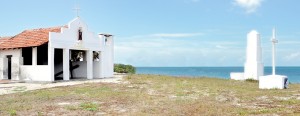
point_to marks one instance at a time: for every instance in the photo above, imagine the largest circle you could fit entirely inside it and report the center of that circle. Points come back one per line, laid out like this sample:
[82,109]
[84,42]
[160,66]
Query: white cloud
[221,47]
[163,50]
[290,42]
[176,35]
[249,5]
[293,56]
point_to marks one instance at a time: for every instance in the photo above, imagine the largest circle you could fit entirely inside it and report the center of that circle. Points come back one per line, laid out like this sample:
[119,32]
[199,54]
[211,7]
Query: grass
[12,112]
[156,95]
[19,89]
[89,106]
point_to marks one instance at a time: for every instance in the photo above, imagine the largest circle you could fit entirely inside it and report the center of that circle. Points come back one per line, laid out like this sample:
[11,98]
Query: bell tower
[107,55]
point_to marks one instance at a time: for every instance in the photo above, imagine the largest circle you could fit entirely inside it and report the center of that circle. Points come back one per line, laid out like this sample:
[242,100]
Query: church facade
[57,53]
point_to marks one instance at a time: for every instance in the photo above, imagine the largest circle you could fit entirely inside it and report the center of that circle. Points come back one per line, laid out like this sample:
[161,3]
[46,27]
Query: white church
[65,52]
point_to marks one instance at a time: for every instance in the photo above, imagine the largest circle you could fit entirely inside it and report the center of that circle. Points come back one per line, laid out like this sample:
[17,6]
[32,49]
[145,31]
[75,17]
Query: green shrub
[89,106]
[122,68]
[12,112]
[252,80]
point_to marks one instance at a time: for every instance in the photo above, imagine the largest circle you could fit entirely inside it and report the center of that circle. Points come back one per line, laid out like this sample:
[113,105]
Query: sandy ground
[21,87]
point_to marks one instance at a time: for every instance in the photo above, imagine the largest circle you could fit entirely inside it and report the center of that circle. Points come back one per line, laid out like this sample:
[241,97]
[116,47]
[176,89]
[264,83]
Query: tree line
[122,68]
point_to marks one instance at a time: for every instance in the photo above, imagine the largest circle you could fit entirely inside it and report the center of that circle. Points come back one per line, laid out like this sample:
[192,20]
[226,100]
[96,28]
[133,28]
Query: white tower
[107,55]
[253,66]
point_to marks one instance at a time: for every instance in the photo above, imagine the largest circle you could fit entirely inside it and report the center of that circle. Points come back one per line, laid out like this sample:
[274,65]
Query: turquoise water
[293,73]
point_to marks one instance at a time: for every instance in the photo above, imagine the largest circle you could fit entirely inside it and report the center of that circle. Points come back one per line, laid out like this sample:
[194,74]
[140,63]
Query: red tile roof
[28,38]
[3,39]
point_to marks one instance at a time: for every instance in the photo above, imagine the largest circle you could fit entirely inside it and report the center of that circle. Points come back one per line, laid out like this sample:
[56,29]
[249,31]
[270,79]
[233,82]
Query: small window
[79,34]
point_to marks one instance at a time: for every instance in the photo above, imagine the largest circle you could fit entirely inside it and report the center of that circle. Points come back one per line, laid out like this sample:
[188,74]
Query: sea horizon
[204,66]
[292,72]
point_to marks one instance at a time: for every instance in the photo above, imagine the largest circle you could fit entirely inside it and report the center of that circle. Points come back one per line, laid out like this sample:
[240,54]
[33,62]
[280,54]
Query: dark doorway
[9,66]
[58,64]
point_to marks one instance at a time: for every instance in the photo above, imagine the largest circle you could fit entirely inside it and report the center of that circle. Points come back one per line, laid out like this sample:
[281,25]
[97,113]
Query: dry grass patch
[156,95]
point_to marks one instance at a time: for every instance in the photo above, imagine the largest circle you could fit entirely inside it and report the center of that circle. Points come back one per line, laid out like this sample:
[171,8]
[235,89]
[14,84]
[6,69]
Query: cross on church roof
[77,10]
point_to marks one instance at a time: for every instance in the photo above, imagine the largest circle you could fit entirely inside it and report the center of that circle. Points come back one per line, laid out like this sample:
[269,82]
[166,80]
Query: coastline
[218,72]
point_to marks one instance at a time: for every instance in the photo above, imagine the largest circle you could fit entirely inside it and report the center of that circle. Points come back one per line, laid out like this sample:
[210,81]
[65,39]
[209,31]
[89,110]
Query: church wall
[13,52]
[35,73]
[1,68]
[97,69]
[68,38]
[3,55]
[21,72]
[16,62]
[80,72]
[107,58]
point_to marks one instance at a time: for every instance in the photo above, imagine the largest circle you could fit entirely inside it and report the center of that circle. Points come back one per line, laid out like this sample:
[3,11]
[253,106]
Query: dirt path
[21,87]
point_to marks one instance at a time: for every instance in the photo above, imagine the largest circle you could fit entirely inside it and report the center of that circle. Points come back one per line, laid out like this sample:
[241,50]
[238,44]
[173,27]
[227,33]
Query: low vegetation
[156,95]
[122,68]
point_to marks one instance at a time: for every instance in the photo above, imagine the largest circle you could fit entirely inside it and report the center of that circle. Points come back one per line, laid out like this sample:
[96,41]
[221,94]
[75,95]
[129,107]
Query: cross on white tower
[77,10]
[274,41]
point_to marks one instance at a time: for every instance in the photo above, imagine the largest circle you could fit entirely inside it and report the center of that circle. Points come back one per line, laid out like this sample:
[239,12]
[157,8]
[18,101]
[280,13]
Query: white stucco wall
[13,52]
[17,53]
[16,62]
[107,57]
[35,73]
[80,72]
[1,68]
[97,69]
[68,40]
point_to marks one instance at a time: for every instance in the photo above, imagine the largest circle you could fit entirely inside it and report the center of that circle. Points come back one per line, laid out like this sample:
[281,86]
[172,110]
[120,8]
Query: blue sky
[171,32]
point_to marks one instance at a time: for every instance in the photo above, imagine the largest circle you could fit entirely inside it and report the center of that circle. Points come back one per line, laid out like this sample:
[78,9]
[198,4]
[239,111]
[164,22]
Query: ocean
[293,73]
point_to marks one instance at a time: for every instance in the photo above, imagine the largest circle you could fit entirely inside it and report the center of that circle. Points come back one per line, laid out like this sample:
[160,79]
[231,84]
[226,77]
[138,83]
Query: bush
[122,68]
[89,106]
[252,80]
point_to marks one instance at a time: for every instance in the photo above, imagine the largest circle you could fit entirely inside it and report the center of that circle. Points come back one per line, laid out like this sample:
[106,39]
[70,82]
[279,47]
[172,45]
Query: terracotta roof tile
[3,39]
[28,38]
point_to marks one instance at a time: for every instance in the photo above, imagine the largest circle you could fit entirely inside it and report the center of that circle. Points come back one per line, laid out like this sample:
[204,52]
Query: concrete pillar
[1,68]
[16,62]
[51,63]
[89,67]
[66,64]
[253,66]
[100,64]
[97,67]
[34,56]
[110,57]
[5,68]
